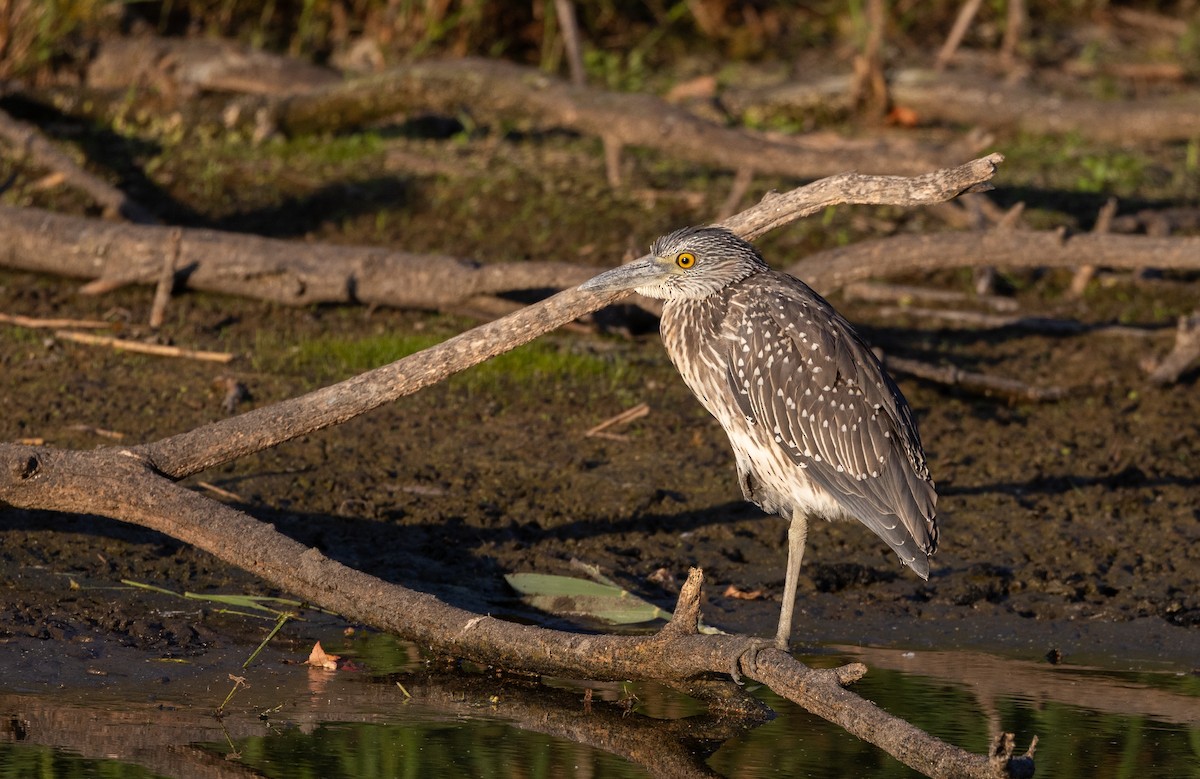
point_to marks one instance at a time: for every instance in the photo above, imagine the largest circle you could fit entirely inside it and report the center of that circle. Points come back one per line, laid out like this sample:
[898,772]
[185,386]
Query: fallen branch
[137,485]
[288,272]
[965,99]
[299,274]
[494,90]
[1036,324]
[977,382]
[834,268]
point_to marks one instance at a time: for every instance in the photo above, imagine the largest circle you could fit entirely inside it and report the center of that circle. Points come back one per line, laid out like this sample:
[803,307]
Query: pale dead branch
[166,280]
[141,347]
[624,418]
[53,324]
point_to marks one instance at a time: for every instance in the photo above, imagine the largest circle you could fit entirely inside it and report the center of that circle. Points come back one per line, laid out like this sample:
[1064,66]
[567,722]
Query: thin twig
[572,42]
[1014,26]
[113,434]
[166,280]
[53,324]
[625,417]
[158,350]
[965,16]
[224,493]
[737,190]
[1086,273]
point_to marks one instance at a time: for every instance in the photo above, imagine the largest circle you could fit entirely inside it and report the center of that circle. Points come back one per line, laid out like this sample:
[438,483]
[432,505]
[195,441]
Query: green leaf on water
[568,596]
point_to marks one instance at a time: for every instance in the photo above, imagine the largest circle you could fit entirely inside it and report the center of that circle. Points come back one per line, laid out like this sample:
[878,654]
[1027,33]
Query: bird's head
[693,262]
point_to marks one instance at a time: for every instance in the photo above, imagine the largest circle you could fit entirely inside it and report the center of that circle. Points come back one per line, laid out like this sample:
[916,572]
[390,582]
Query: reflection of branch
[136,485]
[993,678]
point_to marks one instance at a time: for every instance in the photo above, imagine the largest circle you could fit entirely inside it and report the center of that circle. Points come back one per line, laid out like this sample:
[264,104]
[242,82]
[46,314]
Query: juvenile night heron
[818,428]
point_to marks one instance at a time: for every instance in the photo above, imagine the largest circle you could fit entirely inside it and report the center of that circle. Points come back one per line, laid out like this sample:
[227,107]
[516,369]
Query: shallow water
[392,714]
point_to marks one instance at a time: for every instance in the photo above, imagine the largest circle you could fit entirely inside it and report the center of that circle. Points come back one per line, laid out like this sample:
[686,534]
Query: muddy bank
[1072,524]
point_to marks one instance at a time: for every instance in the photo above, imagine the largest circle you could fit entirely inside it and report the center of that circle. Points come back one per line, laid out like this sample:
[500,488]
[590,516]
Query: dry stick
[965,15]
[742,179]
[44,153]
[612,160]
[158,350]
[869,91]
[626,416]
[166,280]
[1085,274]
[53,324]
[125,483]
[1014,26]
[565,11]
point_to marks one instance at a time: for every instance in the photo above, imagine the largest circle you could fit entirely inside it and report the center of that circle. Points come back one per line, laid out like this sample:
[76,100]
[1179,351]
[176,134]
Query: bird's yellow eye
[685,260]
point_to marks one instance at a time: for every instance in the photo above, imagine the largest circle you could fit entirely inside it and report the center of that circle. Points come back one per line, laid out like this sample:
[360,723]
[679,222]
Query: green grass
[332,358]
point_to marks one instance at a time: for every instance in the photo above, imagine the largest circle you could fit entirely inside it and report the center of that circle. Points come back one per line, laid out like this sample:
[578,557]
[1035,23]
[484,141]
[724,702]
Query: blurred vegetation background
[39,37]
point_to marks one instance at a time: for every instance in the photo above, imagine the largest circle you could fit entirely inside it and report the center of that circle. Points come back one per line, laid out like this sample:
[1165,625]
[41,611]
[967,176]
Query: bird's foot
[748,659]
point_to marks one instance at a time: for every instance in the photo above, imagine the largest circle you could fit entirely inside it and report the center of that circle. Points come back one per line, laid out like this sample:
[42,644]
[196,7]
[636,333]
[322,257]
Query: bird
[818,428]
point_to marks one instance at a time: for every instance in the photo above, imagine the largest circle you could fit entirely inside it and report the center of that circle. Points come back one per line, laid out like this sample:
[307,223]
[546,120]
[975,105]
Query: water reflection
[402,719]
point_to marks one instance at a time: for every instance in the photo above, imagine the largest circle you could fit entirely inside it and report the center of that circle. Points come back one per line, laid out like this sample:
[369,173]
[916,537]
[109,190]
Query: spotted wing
[800,372]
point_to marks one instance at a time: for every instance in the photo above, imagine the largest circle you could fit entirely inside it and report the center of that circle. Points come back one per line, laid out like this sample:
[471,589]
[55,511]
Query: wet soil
[1082,512]
[1070,524]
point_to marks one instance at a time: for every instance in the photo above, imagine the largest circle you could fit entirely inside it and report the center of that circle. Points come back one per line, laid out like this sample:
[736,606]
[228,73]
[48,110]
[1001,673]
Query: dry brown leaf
[319,658]
[732,591]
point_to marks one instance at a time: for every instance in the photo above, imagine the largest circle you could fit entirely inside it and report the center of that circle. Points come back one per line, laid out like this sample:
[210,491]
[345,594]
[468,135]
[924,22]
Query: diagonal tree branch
[228,439]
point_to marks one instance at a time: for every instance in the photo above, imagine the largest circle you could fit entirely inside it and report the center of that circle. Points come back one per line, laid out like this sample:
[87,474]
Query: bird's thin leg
[797,535]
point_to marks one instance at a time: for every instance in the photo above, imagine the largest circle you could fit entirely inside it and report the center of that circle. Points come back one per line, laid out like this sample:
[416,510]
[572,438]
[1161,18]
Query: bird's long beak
[639,273]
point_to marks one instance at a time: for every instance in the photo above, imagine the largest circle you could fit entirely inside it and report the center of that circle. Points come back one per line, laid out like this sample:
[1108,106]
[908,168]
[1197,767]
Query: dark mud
[1072,525]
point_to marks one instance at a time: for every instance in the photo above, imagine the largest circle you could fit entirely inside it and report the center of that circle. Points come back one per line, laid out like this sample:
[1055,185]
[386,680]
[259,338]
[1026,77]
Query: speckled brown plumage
[817,427]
